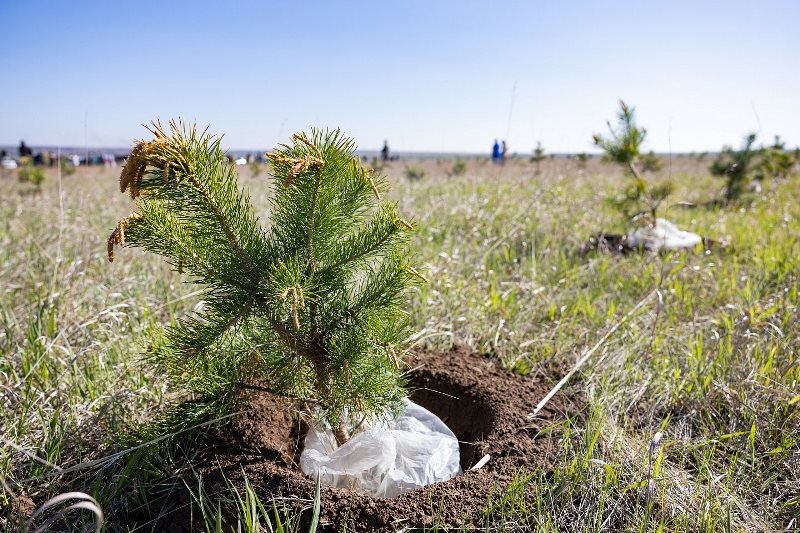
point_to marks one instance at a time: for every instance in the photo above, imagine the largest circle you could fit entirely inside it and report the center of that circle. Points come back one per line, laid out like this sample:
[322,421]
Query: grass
[710,361]
[253,515]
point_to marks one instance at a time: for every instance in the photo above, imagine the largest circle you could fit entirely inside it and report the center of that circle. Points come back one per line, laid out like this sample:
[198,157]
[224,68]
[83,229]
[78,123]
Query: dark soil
[484,405]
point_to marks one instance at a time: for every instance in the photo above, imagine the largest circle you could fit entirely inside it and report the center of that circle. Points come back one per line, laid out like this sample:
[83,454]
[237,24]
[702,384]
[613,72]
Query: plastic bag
[664,235]
[385,460]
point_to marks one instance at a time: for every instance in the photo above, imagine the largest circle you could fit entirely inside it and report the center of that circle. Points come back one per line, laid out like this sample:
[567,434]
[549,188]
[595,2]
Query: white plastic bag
[664,235]
[411,451]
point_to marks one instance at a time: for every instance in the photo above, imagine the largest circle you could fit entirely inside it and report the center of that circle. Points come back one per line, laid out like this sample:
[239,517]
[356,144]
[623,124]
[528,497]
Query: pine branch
[233,240]
[312,212]
[378,236]
[160,232]
[380,287]
[198,333]
[194,183]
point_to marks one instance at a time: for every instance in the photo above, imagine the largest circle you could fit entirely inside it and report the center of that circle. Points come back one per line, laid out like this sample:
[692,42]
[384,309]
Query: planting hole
[464,411]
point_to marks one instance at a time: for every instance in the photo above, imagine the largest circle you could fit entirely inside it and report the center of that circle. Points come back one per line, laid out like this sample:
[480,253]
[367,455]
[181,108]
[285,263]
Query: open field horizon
[369,153]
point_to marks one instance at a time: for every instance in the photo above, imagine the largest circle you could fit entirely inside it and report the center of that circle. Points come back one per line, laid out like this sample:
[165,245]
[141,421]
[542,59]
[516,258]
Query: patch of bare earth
[485,406]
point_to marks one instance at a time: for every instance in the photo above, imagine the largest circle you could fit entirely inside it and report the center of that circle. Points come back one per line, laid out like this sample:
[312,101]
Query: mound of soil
[484,405]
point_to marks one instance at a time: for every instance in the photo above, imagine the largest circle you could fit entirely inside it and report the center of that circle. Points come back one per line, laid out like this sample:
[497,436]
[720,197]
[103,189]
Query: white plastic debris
[411,451]
[663,236]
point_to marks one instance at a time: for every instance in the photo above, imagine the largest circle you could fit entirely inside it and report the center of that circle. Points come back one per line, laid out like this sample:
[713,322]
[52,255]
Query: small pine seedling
[651,162]
[776,162]
[735,166]
[538,156]
[459,167]
[414,173]
[67,169]
[29,173]
[255,169]
[624,148]
[310,307]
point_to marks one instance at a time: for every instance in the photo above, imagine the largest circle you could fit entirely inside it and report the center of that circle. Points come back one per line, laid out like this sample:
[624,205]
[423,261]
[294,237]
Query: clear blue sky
[427,75]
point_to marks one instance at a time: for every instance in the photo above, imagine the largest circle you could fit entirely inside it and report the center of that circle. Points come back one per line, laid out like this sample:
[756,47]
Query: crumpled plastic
[664,235]
[385,460]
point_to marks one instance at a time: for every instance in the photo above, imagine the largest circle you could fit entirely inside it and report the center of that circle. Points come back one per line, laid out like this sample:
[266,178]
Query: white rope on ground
[588,354]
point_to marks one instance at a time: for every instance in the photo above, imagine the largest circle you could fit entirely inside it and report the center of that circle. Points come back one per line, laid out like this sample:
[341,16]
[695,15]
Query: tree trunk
[341,433]
[324,383]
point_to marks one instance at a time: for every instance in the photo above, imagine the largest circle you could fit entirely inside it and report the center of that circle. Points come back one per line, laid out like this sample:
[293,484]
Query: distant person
[385,151]
[24,150]
[496,152]
[503,151]
[3,154]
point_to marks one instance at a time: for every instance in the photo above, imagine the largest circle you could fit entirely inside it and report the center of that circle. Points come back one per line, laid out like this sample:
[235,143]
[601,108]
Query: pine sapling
[538,156]
[735,166]
[255,169]
[775,162]
[28,173]
[310,306]
[459,167]
[651,162]
[623,147]
[413,173]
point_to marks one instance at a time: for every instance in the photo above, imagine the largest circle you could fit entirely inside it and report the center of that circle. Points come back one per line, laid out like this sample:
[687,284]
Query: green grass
[710,360]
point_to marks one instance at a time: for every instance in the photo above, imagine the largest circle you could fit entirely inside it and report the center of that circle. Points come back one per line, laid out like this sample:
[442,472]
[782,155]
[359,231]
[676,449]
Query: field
[706,351]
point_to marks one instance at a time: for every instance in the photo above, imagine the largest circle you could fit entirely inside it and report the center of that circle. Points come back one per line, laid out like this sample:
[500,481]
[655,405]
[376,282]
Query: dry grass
[711,362]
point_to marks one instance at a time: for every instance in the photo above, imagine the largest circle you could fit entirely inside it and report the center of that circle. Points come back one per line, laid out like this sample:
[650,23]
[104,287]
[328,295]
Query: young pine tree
[735,166]
[775,162]
[28,173]
[459,167]
[624,148]
[538,156]
[310,307]
[650,162]
[582,158]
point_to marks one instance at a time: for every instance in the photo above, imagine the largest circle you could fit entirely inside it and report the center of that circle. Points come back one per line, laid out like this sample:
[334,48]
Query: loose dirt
[484,405]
